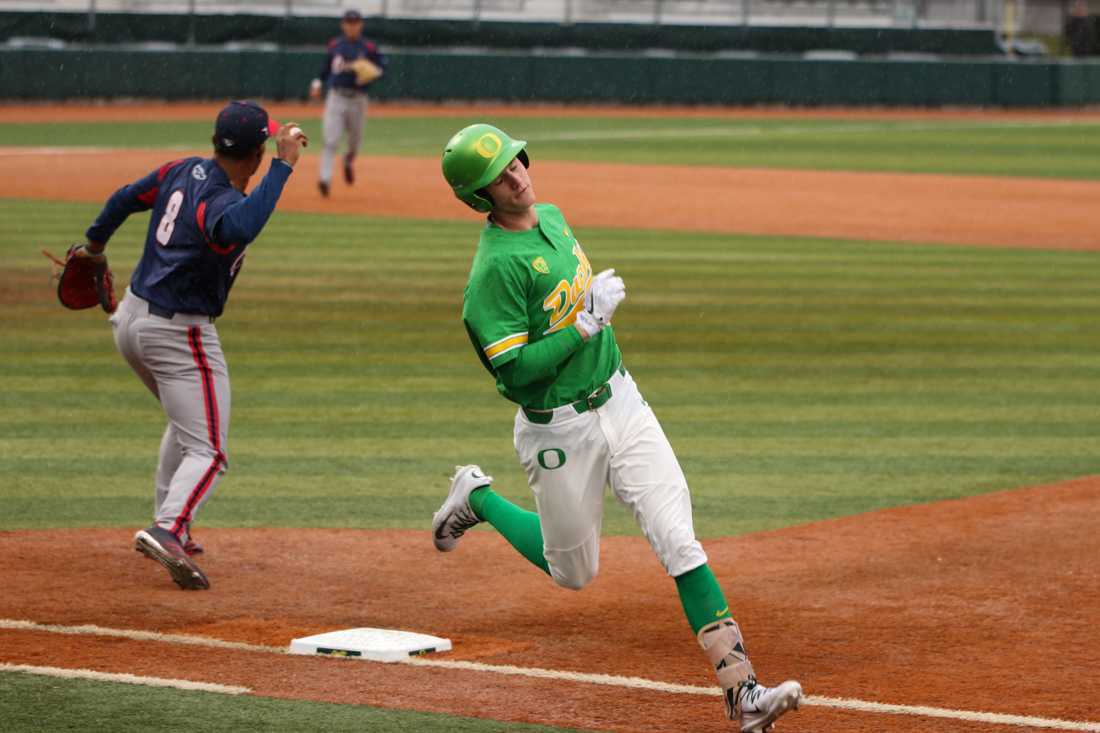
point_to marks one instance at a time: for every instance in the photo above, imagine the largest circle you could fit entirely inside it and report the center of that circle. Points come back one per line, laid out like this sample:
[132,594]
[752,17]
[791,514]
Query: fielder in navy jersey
[201,225]
[346,96]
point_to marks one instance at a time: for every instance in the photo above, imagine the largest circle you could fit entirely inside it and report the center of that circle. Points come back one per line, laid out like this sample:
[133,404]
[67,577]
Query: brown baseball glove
[84,279]
[365,71]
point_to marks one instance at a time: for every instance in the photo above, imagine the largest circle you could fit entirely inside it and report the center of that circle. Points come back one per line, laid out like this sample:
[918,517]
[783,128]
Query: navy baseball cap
[352,16]
[243,126]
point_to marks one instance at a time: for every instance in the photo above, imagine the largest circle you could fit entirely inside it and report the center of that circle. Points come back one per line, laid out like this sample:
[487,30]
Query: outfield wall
[289,31]
[215,74]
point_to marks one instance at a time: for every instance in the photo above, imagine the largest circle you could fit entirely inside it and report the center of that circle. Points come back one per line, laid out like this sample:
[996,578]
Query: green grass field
[802,378]
[1061,149]
[797,378]
[31,703]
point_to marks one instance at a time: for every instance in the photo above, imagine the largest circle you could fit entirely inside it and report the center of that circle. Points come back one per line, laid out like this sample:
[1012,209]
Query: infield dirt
[974,604]
[1006,212]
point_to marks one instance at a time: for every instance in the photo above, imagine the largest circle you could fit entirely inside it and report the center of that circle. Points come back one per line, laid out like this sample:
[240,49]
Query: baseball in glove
[365,70]
[84,279]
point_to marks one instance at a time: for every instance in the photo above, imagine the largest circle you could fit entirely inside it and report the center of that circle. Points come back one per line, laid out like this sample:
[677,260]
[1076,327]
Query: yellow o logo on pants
[488,145]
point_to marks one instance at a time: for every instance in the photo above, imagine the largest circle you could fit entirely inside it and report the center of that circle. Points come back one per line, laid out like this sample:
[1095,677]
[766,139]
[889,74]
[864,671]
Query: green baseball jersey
[525,286]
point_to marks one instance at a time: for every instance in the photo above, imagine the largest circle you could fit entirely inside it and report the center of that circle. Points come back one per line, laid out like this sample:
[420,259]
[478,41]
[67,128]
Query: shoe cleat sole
[184,574]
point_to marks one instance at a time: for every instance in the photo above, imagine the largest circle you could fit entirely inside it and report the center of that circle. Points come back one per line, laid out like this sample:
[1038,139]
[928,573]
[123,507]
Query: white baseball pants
[180,360]
[343,115]
[570,460]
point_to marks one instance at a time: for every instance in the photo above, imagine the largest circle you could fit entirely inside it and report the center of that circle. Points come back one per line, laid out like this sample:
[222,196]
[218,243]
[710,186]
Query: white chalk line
[134,634]
[850,704]
[129,679]
[863,706]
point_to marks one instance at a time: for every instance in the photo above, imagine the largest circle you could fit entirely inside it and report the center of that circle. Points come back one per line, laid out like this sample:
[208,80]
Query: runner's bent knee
[577,567]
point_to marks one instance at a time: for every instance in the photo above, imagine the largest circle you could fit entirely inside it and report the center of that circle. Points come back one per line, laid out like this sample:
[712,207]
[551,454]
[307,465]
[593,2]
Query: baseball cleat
[760,706]
[322,186]
[349,171]
[192,548]
[456,515]
[161,545]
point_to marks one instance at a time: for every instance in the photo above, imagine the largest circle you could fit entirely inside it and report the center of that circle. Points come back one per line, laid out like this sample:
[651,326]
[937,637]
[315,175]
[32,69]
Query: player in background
[540,322]
[346,80]
[200,228]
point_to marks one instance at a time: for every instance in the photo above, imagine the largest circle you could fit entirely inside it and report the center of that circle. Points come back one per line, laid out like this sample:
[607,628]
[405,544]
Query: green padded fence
[632,79]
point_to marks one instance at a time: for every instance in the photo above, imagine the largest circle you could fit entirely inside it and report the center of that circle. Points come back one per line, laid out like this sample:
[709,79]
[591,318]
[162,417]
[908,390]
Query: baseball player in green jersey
[540,322]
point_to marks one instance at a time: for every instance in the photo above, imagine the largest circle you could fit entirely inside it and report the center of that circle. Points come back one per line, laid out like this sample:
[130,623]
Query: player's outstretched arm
[242,221]
[130,199]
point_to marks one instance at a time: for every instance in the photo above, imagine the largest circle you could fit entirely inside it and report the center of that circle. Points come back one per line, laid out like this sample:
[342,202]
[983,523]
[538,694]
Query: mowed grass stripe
[776,455]
[801,378]
[808,423]
[1058,148]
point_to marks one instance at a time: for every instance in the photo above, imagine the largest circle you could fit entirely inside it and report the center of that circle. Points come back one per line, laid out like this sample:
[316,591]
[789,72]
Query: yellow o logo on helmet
[488,145]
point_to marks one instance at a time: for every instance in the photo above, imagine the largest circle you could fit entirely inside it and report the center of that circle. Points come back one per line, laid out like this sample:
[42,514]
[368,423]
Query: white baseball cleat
[760,706]
[456,516]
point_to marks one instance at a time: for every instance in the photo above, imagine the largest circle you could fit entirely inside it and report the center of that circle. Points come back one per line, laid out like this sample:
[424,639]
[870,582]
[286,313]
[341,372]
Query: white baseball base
[377,645]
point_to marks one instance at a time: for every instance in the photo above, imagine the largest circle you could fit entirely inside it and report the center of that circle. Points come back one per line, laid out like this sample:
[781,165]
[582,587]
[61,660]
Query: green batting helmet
[473,159]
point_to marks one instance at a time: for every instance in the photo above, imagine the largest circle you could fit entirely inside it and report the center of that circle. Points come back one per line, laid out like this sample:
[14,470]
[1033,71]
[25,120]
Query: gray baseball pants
[343,115]
[180,360]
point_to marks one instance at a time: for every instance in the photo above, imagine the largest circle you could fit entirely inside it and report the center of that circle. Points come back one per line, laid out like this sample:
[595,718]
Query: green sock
[520,527]
[702,597]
